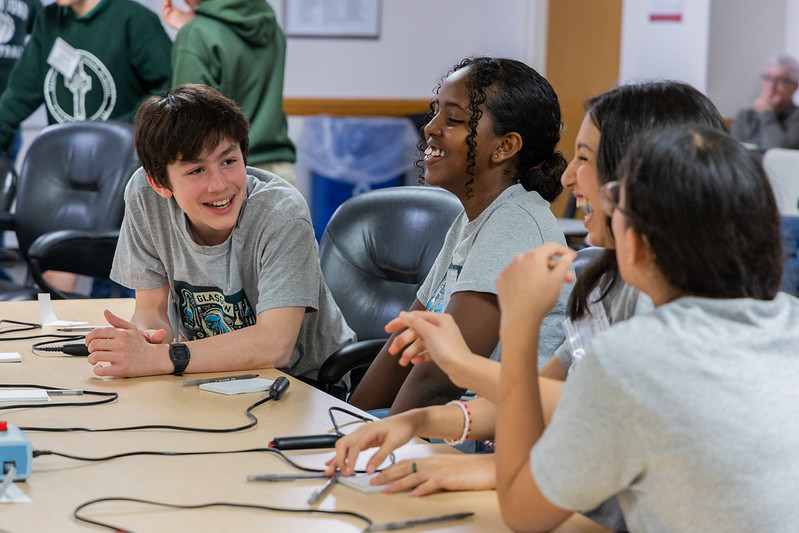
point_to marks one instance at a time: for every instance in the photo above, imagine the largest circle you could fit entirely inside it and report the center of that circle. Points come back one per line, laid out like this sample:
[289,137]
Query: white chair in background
[782,169]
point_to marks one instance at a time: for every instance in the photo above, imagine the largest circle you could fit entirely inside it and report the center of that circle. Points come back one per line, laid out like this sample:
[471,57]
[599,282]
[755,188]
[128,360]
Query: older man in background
[773,120]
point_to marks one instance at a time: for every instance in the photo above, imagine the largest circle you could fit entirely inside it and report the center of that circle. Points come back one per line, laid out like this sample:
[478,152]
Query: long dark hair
[520,100]
[707,212]
[621,115]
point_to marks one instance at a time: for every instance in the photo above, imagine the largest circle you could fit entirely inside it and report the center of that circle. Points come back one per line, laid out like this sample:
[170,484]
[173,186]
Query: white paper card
[14,494]
[24,396]
[64,58]
[361,483]
[48,315]
[10,357]
[238,386]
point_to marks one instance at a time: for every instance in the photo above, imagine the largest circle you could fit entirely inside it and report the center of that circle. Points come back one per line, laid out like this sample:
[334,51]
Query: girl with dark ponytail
[490,139]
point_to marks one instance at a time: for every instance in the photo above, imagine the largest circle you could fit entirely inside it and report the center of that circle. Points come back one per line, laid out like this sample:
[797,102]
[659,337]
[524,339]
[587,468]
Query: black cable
[76,513]
[275,451]
[110,397]
[70,348]
[253,421]
[42,336]
[56,337]
[28,326]
[345,411]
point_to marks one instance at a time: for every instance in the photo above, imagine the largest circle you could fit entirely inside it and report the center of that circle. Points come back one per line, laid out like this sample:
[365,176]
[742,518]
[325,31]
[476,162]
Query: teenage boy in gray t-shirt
[211,247]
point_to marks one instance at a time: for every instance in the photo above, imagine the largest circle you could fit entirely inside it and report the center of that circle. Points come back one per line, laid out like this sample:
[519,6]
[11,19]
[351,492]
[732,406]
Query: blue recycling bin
[348,156]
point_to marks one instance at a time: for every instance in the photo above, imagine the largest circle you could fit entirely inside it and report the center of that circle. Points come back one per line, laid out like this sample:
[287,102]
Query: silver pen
[287,477]
[324,489]
[192,382]
[64,392]
[81,328]
[403,524]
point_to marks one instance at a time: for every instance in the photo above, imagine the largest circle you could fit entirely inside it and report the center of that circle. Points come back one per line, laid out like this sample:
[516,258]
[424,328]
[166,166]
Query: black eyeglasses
[780,80]
[609,195]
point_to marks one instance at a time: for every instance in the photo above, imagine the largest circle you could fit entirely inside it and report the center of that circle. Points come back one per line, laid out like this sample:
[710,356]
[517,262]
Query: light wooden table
[58,485]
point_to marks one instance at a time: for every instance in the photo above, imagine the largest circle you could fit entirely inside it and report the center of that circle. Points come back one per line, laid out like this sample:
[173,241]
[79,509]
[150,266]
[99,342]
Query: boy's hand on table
[130,351]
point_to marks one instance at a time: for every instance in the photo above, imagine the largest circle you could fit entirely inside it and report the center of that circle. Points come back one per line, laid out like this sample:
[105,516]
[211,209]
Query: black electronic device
[278,387]
[76,348]
[305,442]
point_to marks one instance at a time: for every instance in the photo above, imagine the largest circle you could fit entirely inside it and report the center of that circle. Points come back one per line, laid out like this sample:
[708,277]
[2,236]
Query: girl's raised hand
[430,336]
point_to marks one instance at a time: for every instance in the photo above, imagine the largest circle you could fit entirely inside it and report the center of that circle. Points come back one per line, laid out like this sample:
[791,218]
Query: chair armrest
[86,252]
[6,221]
[356,355]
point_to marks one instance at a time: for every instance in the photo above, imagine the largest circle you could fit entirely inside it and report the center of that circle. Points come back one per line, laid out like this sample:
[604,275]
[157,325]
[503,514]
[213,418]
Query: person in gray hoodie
[237,47]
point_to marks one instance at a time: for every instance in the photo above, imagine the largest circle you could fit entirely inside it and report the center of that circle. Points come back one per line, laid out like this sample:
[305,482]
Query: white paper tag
[48,315]
[64,58]
[31,396]
[10,357]
[14,494]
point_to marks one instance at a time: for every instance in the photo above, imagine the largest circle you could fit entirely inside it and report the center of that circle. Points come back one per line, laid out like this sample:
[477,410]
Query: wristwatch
[180,355]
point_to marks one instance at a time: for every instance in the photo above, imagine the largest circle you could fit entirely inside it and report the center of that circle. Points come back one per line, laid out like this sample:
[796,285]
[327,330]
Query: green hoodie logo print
[89,95]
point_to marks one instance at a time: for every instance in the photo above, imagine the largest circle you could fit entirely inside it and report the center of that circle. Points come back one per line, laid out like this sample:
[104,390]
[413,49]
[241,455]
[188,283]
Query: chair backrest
[74,177]
[585,256]
[377,249]
[782,168]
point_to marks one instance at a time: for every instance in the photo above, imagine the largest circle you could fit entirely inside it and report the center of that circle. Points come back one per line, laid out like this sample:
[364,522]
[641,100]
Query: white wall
[419,41]
[792,27]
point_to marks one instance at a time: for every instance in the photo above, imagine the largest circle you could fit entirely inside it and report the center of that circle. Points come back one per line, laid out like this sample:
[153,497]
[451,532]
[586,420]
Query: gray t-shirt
[689,414]
[474,253]
[270,260]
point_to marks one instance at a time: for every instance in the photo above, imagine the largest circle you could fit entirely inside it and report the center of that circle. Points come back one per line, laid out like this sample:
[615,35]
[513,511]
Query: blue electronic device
[16,450]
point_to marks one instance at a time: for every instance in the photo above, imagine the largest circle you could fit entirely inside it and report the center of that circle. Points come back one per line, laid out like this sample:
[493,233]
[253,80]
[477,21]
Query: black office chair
[375,252]
[70,202]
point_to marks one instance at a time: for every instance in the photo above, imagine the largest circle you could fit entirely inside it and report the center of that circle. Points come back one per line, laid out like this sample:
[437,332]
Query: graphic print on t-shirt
[207,311]
[440,298]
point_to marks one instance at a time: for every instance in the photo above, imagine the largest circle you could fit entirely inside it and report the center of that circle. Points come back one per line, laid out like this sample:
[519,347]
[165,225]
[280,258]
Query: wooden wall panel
[583,51]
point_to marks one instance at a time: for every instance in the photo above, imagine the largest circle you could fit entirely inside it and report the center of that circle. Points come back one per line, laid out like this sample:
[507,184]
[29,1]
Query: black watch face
[179,352]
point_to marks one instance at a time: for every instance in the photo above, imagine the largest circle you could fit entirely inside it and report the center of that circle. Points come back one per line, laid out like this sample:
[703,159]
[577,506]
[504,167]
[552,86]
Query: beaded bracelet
[467,423]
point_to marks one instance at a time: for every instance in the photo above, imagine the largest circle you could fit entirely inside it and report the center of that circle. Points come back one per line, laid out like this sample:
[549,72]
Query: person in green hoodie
[237,47]
[87,60]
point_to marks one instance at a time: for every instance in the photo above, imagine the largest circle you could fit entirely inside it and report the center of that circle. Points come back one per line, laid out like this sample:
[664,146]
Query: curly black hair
[518,99]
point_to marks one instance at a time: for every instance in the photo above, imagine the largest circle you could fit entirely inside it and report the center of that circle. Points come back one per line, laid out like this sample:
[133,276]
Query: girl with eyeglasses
[687,413]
